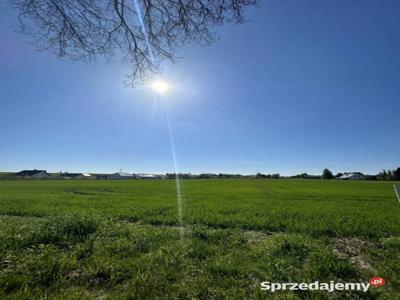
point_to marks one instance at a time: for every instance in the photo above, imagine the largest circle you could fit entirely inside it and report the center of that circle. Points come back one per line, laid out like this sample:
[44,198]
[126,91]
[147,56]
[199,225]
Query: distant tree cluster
[306,176]
[273,176]
[224,175]
[384,175]
[327,174]
[389,174]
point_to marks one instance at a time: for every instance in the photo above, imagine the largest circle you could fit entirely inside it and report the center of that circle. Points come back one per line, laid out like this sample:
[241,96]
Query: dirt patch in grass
[352,248]
[91,192]
[254,237]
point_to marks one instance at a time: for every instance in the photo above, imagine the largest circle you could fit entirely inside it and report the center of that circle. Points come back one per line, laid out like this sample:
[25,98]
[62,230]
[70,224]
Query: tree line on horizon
[383,175]
[327,174]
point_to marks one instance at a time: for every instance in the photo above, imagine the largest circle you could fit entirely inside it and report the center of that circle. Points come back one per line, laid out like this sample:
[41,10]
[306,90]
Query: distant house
[352,176]
[121,175]
[75,176]
[145,176]
[34,174]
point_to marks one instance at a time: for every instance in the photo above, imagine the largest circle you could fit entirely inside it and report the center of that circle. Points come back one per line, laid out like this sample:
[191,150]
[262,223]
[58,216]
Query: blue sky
[303,86]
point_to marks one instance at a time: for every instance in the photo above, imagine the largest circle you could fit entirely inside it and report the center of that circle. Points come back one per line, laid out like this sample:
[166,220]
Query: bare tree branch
[141,32]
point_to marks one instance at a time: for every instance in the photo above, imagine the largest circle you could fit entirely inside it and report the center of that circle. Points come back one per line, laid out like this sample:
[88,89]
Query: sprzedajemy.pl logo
[330,287]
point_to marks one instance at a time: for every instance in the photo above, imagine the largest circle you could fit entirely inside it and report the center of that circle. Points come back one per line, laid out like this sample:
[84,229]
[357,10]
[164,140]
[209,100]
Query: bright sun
[160,86]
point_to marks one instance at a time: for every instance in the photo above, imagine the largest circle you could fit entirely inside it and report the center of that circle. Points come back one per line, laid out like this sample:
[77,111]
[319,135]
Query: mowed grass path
[119,239]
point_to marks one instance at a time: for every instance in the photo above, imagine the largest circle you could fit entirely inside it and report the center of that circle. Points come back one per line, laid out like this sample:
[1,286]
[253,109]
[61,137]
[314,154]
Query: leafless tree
[141,32]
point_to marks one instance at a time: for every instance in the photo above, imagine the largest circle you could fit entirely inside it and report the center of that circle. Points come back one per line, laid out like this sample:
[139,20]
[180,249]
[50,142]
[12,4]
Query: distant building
[99,176]
[34,174]
[145,176]
[352,176]
[75,176]
[121,175]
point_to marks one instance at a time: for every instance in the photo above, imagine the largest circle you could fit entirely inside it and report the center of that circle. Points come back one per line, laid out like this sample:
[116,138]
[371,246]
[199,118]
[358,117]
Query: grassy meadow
[122,239]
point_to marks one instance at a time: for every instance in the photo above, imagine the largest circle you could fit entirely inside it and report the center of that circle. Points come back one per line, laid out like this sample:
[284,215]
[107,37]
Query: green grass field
[121,239]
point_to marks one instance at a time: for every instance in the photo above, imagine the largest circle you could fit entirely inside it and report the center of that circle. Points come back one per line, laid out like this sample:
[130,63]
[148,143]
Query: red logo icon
[377,281]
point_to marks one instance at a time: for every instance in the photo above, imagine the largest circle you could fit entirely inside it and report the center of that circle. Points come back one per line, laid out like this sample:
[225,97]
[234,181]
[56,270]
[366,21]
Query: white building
[145,176]
[121,175]
[84,176]
[352,176]
[76,176]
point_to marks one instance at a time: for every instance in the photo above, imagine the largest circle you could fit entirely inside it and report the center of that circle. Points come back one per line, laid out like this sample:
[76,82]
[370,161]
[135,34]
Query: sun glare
[160,86]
